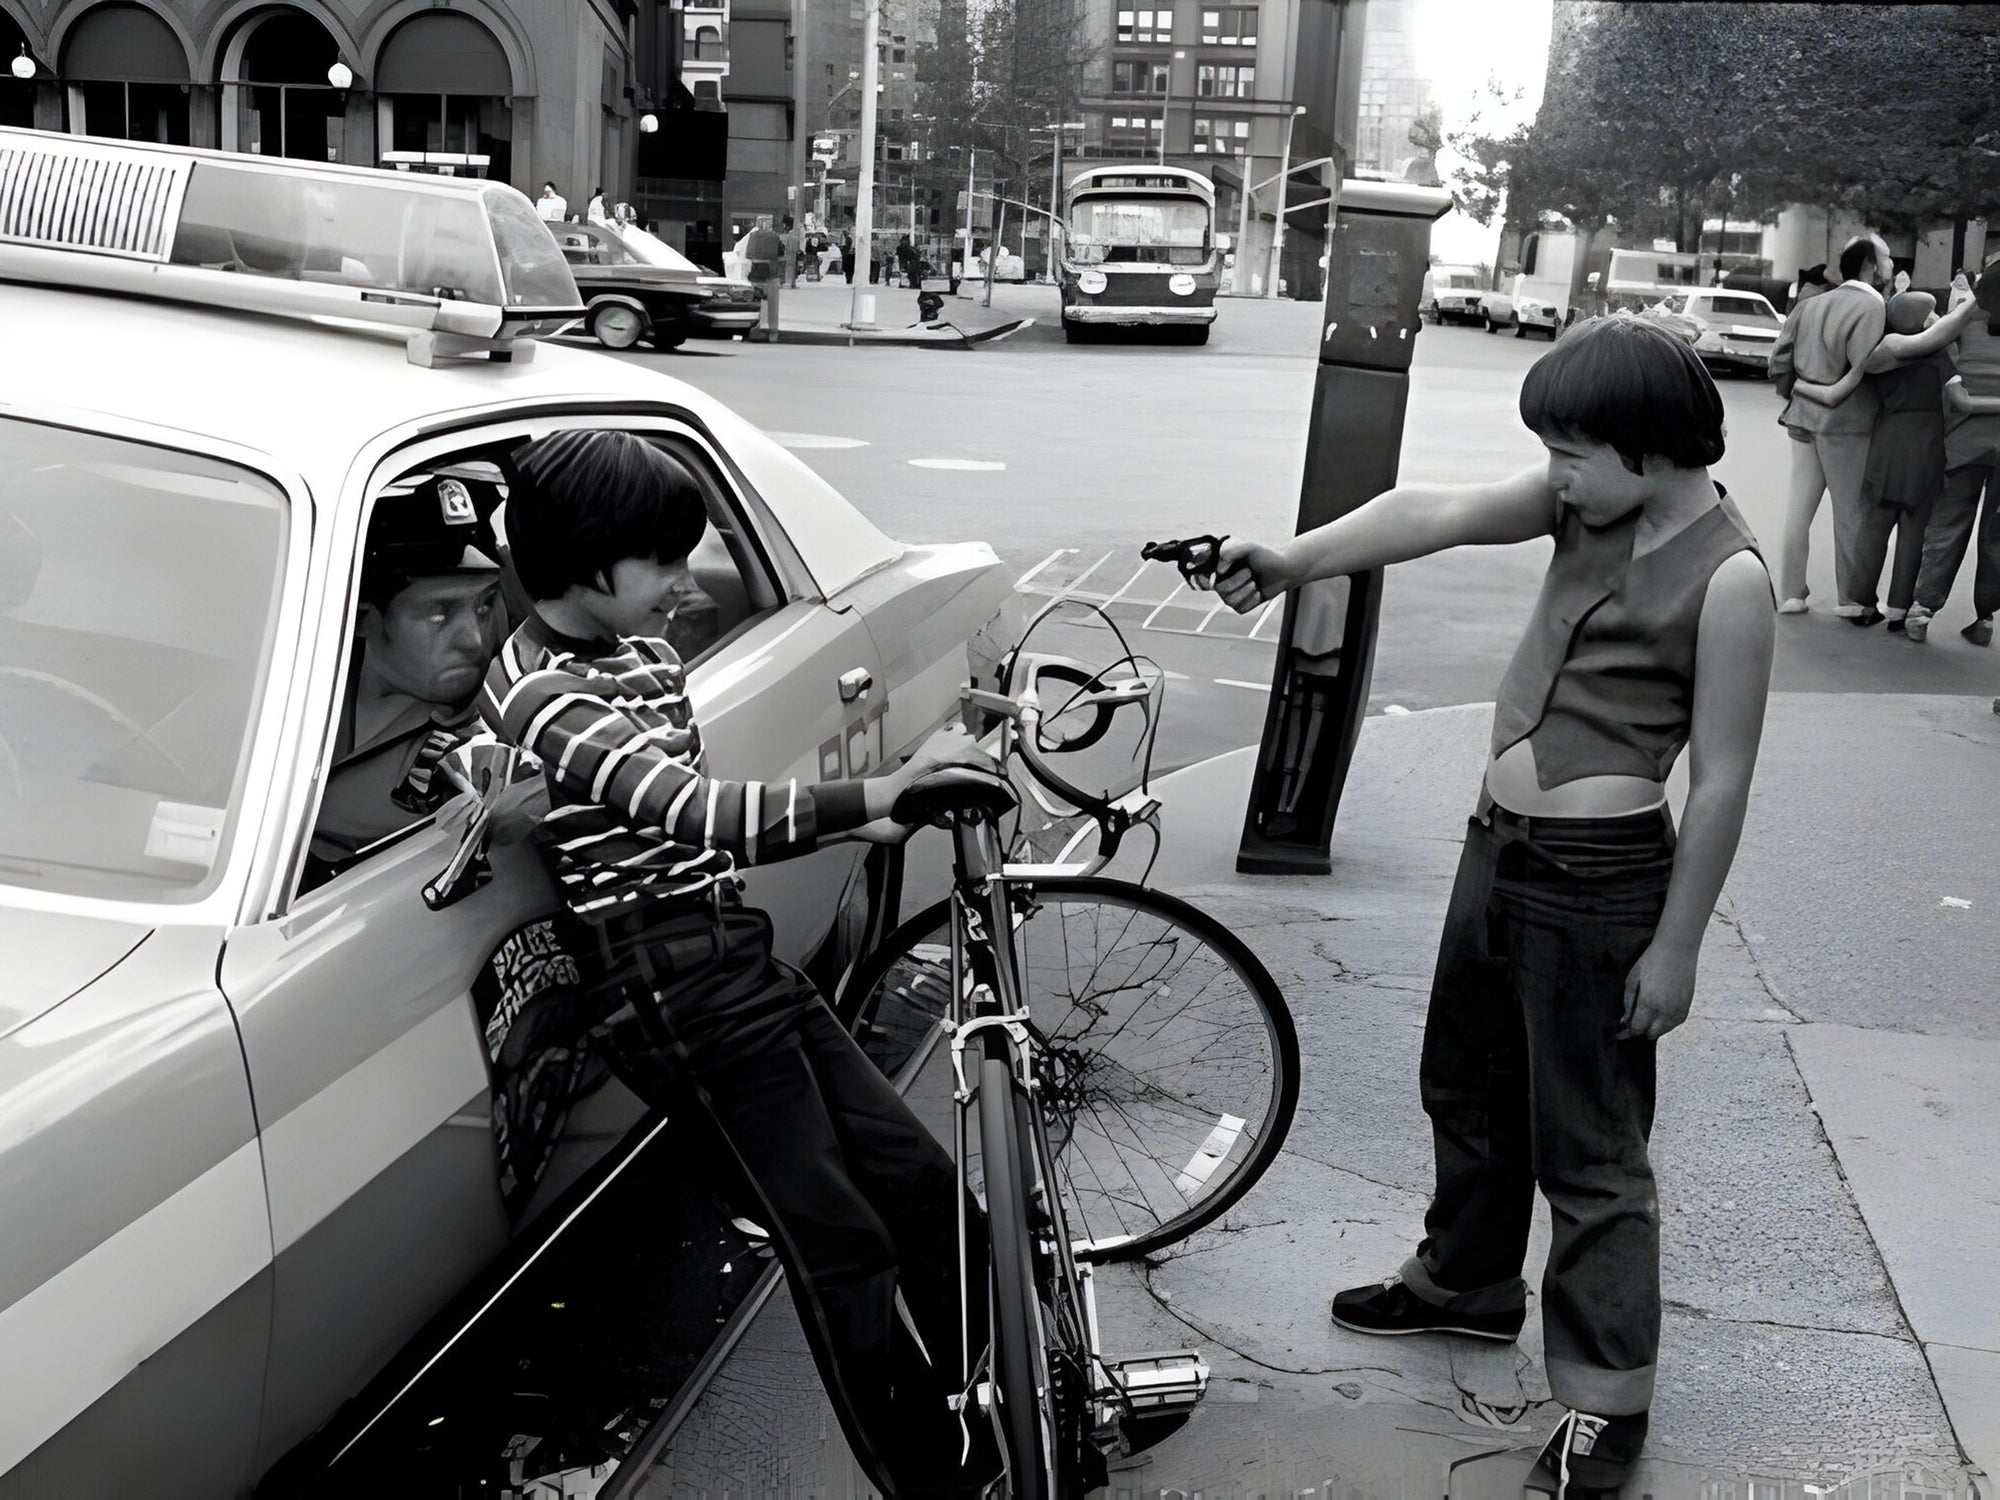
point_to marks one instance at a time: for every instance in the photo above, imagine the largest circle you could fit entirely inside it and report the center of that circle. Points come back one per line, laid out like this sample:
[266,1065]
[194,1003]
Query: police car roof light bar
[465,266]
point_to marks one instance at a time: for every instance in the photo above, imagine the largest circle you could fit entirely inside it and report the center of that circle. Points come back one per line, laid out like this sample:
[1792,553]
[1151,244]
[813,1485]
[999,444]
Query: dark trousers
[1911,525]
[859,1198]
[1958,510]
[1526,1085]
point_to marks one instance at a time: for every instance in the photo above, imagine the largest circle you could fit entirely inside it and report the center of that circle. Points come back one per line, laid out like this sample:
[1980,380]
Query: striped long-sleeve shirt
[634,812]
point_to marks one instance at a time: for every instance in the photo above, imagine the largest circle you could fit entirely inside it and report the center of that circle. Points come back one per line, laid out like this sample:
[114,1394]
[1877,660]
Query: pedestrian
[861,1203]
[1812,281]
[552,206]
[1572,933]
[1824,338]
[847,255]
[595,213]
[906,260]
[1971,455]
[1905,469]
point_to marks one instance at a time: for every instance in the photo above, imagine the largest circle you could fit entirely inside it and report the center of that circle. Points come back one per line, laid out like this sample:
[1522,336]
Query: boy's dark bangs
[1638,389]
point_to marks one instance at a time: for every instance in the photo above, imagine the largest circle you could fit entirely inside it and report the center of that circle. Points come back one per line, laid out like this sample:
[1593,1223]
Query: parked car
[1735,330]
[1452,294]
[245,1148]
[1009,267]
[1525,302]
[640,287]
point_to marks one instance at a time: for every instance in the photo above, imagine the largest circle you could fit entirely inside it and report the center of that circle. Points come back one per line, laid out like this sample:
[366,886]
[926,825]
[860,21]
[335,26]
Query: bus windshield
[1114,229]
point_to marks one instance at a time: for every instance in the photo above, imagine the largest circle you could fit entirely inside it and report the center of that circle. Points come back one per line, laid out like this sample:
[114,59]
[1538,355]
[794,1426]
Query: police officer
[431,621]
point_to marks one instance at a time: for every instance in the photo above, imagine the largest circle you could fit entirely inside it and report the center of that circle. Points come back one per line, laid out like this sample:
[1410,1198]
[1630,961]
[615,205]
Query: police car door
[356,1014]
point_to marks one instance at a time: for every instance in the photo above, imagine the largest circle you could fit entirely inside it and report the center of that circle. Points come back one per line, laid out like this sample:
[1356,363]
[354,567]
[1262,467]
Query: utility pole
[1239,280]
[1055,204]
[864,201]
[965,259]
[800,135]
[1278,232]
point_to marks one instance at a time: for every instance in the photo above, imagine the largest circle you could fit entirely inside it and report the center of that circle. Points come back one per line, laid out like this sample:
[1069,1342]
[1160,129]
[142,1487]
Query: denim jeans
[1527,1085]
[792,1120]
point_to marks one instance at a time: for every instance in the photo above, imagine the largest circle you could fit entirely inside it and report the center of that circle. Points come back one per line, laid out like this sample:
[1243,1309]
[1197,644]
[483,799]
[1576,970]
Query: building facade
[1238,91]
[1394,93]
[521,91]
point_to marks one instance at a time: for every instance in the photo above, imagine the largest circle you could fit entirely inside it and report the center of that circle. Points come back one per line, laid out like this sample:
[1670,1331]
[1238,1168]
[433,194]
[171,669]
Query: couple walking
[1893,414]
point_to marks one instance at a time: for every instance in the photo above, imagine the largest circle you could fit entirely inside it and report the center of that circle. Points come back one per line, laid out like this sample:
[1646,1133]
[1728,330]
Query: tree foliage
[1658,116]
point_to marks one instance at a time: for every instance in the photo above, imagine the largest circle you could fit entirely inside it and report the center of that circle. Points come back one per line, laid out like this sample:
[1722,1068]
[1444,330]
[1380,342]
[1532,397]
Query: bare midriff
[1511,781]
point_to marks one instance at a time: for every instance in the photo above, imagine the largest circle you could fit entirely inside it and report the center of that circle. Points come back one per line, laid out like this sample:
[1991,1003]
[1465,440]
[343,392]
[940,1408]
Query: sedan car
[640,288]
[1524,302]
[248,1154]
[1733,330]
[1451,294]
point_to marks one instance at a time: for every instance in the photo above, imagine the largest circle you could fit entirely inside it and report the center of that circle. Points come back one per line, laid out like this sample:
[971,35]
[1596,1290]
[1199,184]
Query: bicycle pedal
[1159,1381]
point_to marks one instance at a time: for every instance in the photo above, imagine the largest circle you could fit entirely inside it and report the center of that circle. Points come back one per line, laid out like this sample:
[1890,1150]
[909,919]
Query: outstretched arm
[1958,398]
[1731,683]
[1411,520]
[1900,348]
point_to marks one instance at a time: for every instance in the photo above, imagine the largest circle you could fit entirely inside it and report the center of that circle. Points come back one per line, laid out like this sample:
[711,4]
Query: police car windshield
[138,595]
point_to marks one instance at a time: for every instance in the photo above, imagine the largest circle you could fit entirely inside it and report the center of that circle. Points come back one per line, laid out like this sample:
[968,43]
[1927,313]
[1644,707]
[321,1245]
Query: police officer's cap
[440,522]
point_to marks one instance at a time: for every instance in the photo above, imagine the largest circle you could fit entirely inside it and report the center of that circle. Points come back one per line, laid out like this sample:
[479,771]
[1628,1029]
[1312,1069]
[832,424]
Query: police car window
[732,579]
[138,602]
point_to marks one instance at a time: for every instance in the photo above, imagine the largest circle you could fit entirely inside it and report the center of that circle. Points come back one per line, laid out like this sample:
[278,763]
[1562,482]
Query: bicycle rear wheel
[1020,1353]
[1169,1072]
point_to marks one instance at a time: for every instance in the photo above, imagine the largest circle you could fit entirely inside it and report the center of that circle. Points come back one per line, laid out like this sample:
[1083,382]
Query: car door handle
[854,683]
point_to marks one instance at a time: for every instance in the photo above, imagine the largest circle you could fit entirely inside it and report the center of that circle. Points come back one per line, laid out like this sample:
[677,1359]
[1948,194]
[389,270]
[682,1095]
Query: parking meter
[1379,251]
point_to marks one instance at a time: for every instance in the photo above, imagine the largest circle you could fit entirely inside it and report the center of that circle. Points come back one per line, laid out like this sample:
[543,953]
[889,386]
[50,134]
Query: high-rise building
[1237,91]
[1394,93]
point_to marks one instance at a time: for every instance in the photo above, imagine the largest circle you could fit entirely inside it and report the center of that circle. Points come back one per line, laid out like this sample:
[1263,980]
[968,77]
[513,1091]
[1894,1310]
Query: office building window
[1130,76]
[1147,25]
[1127,128]
[1229,26]
[1226,81]
[1216,136]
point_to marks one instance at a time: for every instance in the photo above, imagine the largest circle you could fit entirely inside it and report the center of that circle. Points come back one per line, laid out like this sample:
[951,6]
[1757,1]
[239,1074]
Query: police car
[246,1145]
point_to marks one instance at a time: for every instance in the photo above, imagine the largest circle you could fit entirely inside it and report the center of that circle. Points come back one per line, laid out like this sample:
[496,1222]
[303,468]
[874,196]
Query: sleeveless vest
[1603,680]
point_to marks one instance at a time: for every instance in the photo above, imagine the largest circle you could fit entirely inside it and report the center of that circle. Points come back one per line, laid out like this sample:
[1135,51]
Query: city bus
[1139,251]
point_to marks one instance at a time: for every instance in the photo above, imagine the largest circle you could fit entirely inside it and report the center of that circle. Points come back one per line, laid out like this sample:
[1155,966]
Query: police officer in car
[432,619]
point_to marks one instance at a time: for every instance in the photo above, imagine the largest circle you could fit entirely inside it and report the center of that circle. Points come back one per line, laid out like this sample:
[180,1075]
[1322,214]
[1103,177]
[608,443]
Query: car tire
[1195,333]
[1520,329]
[671,335]
[1079,333]
[1491,326]
[616,326]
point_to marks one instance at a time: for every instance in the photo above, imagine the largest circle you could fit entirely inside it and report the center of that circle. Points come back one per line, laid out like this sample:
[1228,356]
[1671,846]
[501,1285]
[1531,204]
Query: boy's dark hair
[1622,381]
[1814,276]
[1856,254]
[580,502]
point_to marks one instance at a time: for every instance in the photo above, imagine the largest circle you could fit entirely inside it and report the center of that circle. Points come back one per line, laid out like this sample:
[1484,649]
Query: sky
[1460,45]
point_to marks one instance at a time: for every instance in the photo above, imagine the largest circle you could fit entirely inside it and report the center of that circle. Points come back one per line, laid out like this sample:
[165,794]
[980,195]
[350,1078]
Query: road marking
[1029,577]
[972,465]
[814,440]
[1209,1155]
[1255,687]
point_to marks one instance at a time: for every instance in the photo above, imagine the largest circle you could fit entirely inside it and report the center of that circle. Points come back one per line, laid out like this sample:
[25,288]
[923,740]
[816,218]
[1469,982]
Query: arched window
[276,100]
[17,97]
[707,44]
[443,90]
[127,76]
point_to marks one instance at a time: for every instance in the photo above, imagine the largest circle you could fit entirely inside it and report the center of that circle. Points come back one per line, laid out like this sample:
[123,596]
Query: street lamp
[22,67]
[1166,103]
[1055,131]
[1284,181]
[648,123]
[340,76]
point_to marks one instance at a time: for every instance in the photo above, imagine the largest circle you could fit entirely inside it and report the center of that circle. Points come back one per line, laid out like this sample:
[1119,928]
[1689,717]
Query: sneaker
[1917,627]
[1587,1452]
[1869,615]
[1390,1307]
[1792,607]
[1896,625]
[1980,631]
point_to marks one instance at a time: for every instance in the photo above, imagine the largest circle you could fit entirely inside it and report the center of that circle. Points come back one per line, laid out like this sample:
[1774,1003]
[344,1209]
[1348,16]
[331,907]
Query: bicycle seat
[934,797]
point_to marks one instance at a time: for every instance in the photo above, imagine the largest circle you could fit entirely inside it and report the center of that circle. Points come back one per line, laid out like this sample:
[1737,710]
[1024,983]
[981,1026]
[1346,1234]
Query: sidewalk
[1828,1143]
[817,312]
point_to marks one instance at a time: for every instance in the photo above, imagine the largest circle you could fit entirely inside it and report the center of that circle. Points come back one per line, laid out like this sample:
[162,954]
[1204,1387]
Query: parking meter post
[1380,248]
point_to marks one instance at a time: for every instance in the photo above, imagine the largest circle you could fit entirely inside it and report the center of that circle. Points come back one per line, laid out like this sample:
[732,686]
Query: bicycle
[1106,1040]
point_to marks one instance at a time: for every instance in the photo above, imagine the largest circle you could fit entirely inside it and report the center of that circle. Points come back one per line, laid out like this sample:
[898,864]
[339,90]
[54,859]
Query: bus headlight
[1090,283]
[1181,285]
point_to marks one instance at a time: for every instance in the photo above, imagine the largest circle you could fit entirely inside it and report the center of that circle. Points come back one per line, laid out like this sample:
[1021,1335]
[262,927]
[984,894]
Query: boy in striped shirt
[858,1196]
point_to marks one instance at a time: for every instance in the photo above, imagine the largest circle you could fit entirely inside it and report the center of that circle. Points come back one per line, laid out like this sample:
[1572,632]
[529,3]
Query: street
[1813,1330]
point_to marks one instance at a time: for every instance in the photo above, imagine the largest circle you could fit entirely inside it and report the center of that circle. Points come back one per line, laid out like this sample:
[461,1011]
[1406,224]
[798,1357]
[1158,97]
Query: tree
[1655,117]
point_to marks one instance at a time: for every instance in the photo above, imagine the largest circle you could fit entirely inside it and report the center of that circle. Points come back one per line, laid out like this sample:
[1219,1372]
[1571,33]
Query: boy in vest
[860,1200]
[1573,929]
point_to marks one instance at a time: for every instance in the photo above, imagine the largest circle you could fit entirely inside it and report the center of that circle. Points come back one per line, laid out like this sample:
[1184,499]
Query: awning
[124,44]
[443,54]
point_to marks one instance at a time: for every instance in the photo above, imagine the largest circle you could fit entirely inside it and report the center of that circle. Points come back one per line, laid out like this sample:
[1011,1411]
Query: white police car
[245,1151]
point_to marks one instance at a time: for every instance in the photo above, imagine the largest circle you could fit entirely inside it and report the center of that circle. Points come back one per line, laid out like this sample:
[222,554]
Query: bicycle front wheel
[1169,1064]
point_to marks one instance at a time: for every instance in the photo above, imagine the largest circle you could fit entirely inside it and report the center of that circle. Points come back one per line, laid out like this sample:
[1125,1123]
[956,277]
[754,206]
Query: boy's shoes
[1390,1307]
[1917,625]
[1588,1452]
[1896,624]
[1792,607]
[1980,631]
[1869,615]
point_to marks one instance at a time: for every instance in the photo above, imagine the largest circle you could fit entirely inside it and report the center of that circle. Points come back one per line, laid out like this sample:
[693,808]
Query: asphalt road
[1083,453]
